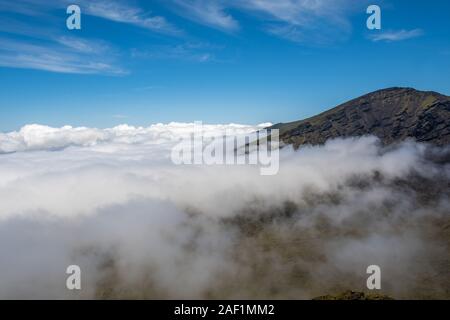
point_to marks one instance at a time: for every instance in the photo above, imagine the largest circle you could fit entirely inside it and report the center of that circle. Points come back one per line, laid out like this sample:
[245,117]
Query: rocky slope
[392,114]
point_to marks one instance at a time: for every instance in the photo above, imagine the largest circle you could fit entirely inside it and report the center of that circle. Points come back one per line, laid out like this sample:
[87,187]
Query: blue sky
[242,61]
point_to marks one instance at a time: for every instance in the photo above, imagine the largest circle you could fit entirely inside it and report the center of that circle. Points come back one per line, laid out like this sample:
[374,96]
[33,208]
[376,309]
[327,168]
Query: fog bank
[112,202]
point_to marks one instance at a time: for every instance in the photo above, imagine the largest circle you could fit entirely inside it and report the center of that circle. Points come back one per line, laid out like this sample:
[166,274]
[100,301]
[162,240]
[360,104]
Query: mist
[140,227]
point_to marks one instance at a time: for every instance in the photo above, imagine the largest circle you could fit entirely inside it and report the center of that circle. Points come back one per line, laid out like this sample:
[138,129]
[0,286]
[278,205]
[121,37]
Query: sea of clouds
[112,202]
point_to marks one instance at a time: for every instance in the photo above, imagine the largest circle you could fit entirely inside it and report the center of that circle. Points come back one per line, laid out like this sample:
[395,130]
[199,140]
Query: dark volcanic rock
[353,295]
[393,115]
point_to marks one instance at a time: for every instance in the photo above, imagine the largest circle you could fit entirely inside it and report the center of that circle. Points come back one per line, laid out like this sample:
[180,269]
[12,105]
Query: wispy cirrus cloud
[26,45]
[28,7]
[113,10]
[124,13]
[59,56]
[39,42]
[302,21]
[211,13]
[83,45]
[189,51]
[397,35]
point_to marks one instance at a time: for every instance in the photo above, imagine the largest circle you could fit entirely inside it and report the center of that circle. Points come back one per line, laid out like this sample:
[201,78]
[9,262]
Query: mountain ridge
[392,114]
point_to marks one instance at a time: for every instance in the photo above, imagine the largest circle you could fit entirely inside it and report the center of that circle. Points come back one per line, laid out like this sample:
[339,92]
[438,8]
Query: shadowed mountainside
[393,115]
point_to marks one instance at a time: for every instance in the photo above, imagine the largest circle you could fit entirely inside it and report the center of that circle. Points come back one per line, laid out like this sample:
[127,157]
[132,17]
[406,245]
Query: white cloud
[392,36]
[124,13]
[305,21]
[297,12]
[58,56]
[141,227]
[113,10]
[197,52]
[39,137]
[211,13]
[83,45]
[46,46]
[39,44]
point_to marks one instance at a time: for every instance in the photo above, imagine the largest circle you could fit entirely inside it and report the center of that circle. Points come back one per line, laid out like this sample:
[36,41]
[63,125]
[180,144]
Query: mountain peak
[403,91]
[392,114]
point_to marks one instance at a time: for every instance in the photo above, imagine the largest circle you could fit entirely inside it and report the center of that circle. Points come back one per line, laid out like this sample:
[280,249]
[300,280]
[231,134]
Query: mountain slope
[392,114]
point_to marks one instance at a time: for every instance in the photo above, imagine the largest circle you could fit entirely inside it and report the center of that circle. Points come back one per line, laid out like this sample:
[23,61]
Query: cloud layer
[140,227]
[39,137]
